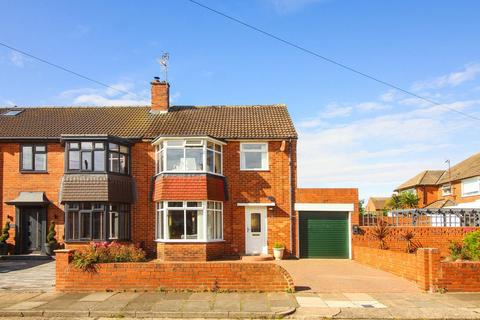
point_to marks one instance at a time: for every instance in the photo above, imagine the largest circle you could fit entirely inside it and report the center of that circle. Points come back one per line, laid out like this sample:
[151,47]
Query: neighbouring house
[446,188]
[376,204]
[184,182]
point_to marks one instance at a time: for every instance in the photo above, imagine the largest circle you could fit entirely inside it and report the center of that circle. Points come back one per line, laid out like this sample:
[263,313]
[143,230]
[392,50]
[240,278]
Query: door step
[263,257]
[26,257]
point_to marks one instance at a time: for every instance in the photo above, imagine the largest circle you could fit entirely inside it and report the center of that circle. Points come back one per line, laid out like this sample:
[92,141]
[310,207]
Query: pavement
[331,275]
[27,275]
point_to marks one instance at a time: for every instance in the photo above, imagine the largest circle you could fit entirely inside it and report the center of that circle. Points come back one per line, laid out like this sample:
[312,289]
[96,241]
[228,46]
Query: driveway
[27,275]
[343,276]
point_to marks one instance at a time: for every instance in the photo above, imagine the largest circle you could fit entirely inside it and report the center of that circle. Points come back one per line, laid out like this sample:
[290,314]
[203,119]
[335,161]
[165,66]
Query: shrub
[381,232]
[455,248]
[408,237]
[471,245]
[86,258]
[5,235]
[278,245]
[51,235]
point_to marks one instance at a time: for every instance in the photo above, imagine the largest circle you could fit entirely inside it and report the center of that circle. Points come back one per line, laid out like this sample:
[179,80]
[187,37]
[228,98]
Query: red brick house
[186,183]
[446,188]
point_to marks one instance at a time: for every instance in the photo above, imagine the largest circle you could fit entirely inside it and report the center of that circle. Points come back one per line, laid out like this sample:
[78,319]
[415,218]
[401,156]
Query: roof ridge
[142,106]
[73,107]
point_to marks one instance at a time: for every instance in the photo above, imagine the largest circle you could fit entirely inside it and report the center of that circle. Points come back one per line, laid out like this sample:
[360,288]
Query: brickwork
[15,181]
[152,276]
[189,187]
[425,268]
[426,195]
[457,194]
[426,237]
[193,251]
[160,96]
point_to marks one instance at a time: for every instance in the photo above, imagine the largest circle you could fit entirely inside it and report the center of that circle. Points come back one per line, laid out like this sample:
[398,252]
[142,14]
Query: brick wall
[193,251]
[189,187]
[426,195]
[425,268]
[14,181]
[457,194]
[427,237]
[152,276]
[257,186]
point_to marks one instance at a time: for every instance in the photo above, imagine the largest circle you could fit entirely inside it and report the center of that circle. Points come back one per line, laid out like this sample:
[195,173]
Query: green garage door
[324,234]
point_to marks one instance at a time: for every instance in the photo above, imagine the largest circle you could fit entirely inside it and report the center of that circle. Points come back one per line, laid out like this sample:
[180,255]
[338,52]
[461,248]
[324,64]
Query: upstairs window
[189,155]
[471,187]
[447,190]
[33,158]
[254,156]
[91,156]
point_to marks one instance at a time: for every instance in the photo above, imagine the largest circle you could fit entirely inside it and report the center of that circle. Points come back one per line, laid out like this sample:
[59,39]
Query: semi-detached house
[183,182]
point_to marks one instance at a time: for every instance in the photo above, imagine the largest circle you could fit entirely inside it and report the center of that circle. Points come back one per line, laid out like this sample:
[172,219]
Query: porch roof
[29,198]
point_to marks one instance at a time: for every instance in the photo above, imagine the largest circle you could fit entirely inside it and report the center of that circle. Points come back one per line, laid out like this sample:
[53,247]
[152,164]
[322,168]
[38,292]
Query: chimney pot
[160,96]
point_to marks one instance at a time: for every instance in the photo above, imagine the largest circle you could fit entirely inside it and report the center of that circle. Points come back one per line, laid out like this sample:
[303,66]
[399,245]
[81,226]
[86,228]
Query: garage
[324,230]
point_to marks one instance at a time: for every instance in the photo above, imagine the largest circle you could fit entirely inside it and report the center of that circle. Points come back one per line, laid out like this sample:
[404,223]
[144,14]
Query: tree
[409,200]
[361,207]
[395,202]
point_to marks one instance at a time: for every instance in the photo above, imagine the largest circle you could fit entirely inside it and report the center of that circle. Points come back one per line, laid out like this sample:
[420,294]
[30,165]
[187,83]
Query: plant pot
[3,249]
[278,253]
[49,248]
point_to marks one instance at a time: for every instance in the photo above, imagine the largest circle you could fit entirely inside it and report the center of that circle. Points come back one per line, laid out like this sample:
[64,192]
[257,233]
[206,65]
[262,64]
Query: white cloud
[17,59]
[287,6]
[335,111]
[117,95]
[469,72]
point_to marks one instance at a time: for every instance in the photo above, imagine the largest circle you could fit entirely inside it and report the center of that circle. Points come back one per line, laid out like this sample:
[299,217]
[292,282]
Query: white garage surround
[329,207]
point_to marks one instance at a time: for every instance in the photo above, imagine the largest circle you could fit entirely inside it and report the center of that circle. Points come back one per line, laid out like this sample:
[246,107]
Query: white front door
[256,230]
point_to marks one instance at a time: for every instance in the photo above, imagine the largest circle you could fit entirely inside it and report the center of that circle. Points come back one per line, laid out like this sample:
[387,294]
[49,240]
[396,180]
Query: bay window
[87,221]
[189,155]
[91,156]
[189,221]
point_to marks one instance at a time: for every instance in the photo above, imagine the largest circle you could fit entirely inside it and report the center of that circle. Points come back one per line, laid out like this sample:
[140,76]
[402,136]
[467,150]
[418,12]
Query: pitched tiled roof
[469,167]
[440,204]
[424,178]
[227,122]
[379,203]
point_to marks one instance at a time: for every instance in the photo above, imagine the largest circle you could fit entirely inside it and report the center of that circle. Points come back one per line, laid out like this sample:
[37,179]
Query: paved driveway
[27,275]
[343,276]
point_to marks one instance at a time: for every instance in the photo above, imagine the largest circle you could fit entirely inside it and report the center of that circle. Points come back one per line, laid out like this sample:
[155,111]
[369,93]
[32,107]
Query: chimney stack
[160,96]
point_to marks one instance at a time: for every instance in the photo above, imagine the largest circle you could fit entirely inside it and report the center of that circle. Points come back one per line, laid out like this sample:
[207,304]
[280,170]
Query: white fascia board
[163,138]
[256,204]
[349,207]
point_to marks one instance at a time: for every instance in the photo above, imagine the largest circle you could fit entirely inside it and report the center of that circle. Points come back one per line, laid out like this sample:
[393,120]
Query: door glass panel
[255,222]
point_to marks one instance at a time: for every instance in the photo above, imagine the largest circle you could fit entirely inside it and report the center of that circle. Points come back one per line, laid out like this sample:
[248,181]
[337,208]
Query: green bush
[5,235]
[51,235]
[455,248]
[471,245]
[86,258]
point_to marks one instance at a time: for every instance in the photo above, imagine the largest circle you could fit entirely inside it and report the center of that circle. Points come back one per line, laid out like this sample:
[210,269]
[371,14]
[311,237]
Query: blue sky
[353,132]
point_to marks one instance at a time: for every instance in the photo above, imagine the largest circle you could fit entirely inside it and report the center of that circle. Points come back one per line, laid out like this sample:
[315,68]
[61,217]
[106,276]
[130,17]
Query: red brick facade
[155,276]
[191,251]
[189,187]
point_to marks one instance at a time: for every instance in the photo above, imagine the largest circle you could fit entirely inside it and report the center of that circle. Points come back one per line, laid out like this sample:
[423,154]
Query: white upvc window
[188,155]
[254,156]
[447,189]
[189,221]
[471,187]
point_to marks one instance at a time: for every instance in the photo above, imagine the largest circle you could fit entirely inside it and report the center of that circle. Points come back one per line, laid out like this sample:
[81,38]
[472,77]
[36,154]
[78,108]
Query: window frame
[34,152]
[161,155]
[242,160]
[94,208]
[161,220]
[445,187]
[471,194]
[106,156]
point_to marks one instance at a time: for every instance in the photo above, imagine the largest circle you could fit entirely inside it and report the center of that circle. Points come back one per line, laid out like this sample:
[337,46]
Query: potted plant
[3,239]
[278,249]
[51,244]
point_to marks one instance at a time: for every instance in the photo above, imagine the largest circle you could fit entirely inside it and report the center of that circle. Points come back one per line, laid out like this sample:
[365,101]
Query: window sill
[33,172]
[471,195]
[189,172]
[255,170]
[187,241]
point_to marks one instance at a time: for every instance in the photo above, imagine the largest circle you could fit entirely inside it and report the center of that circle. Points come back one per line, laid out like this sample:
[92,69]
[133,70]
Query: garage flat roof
[324,207]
